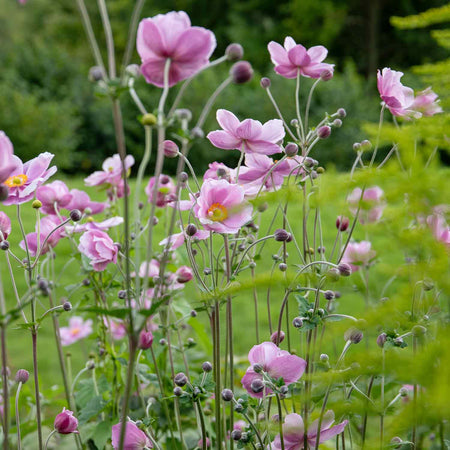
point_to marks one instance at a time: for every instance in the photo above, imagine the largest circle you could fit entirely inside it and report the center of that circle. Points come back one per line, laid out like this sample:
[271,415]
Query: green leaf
[93,408]
[102,434]
[119,313]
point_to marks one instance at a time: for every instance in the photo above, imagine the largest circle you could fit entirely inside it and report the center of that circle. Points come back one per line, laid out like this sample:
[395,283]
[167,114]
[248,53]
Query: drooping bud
[234,52]
[326,75]
[171,149]
[354,335]
[329,295]
[95,73]
[65,422]
[197,132]
[184,274]
[324,131]
[133,70]
[344,269]
[258,368]
[337,123]
[178,391]
[183,114]
[236,435]
[257,386]
[4,245]
[281,235]
[183,177]
[341,113]
[291,149]
[207,366]
[381,340]
[67,306]
[297,322]
[241,72]
[277,338]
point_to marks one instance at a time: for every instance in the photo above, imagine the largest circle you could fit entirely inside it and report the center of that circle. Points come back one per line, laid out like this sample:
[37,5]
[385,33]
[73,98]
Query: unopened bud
[277,338]
[257,386]
[133,70]
[324,358]
[281,235]
[366,145]
[234,52]
[180,379]
[67,306]
[22,376]
[258,368]
[95,73]
[329,295]
[265,82]
[326,75]
[227,395]
[341,113]
[148,119]
[4,245]
[197,133]
[183,177]
[418,330]
[342,223]
[324,132]
[178,391]
[291,149]
[75,215]
[297,322]
[171,149]
[381,340]
[36,204]
[354,335]
[236,435]
[241,72]
[207,366]
[344,269]
[337,123]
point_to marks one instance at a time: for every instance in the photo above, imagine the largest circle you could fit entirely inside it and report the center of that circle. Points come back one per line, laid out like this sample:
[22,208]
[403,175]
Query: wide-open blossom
[111,173]
[427,103]
[7,161]
[105,225]
[371,204]
[172,36]
[77,329]
[26,178]
[294,432]
[5,226]
[81,201]
[46,228]
[116,327]
[221,207]
[99,248]
[261,171]
[249,136]
[148,269]
[66,422]
[358,254]
[293,59]
[53,197]
[276,363]
[165,192]
[398,98]
[135,439]
[219,171]
[177,240]
[439,227]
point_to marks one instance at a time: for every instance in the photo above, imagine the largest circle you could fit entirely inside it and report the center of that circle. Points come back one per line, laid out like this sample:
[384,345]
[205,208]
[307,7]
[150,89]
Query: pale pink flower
[7,161]
[218,171]
[116,327]
[249,136]
[53,197]
[221,207]
[184,274]
[81,201]
[148,269]
[99,248]
[46,227]
[398,98]
[427,103]
[135,439]
[294,432]
[165,192]
[105,225]
[276,363]
[77,329]
[371,204]
[259,172]
[26,178]
[295,59]
[172,36]
[177,239]
[111,173]
[439,227]
[5,226]
[358,254]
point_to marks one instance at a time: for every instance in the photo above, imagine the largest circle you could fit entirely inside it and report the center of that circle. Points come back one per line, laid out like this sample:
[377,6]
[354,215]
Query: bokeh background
[47,102]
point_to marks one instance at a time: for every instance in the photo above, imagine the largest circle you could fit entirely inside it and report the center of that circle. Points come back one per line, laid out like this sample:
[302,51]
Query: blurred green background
[47,102]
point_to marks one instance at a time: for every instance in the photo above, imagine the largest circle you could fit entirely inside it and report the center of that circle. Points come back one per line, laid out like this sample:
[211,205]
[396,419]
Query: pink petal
[290,367]
[273,131]
[249,129]
[196,43]
[287,71]
[278,54]
[227,120]
[289,43]
[149,42]
[317,53]
[262,147]
[298,56]
[224,139]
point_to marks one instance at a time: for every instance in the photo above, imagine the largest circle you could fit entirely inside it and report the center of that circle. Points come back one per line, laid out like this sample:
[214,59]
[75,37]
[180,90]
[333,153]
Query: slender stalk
[132,34]
[202,424]
[280,421]
[380,124]
[308,103]
[36,387]
[277,109]
[4,371]
[48,439]
[19,440]
[109,38]
[297,107]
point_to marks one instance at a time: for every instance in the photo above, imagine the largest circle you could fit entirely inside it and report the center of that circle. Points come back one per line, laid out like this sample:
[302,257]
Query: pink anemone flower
[294,432]
[135,439]
[398,98]
[371,204]
[177,240]
[47,229]
[172,36]
[111,173]
[165,192]
[105,225]
[358,254]
[5,226]
[294,59]
[427,103]
[249,136]
[26,178]
[276,363]
[7,161]
[53,197]
[219,171]
[81,201]
[439,227]
[77,329]
[99,248]
[221,207]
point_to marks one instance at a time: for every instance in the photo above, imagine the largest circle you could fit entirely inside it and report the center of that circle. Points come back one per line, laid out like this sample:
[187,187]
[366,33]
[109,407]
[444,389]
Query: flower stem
[36,386]
[48,439]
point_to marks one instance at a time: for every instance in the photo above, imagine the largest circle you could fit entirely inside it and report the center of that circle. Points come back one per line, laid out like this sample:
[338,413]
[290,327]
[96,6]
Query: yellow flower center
[16,181]
[217,212]
[75,331]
